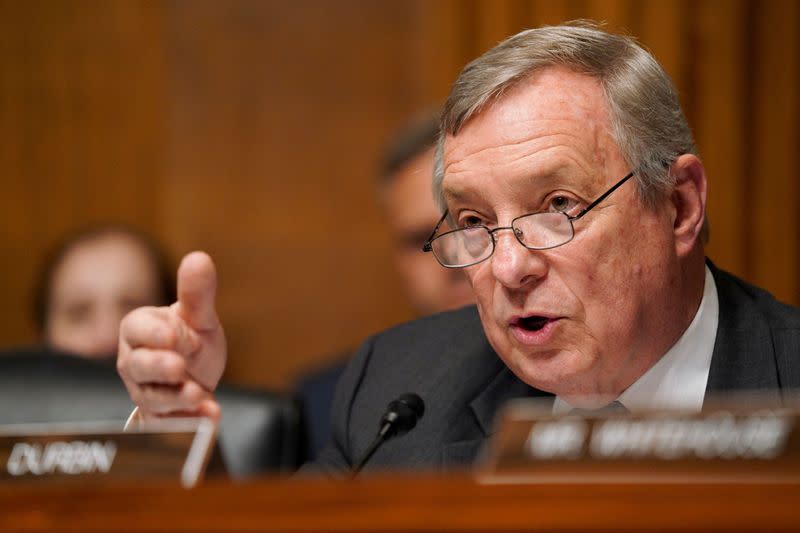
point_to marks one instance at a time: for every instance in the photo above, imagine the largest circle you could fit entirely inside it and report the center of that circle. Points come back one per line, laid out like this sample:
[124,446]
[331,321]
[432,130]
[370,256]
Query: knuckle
[145,326]
[126,325]
[141,365]
[137,315]
[166,334]
[122,366]
[141,358]
[156,400]
[193,394]
[173,368]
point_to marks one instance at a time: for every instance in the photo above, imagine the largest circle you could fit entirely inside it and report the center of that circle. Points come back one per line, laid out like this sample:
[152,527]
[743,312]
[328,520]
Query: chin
[555,370]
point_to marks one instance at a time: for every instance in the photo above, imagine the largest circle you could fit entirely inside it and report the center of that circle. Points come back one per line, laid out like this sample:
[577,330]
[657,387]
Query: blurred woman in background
[90,281]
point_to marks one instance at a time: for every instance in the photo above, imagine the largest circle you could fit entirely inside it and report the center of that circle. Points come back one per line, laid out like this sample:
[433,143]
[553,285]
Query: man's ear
[688,200]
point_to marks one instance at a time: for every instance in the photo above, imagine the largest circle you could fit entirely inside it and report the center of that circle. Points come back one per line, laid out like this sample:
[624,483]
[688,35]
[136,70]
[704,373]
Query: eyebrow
[450,194]
[551,178]
[548,180]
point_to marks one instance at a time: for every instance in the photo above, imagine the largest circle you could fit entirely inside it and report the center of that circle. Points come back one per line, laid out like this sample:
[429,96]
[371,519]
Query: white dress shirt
[678,380]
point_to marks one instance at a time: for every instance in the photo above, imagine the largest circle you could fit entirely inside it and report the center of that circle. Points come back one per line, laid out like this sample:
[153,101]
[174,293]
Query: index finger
[156,328]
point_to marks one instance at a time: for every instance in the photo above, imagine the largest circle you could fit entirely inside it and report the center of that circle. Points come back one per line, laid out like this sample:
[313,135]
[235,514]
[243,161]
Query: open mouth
[532,323]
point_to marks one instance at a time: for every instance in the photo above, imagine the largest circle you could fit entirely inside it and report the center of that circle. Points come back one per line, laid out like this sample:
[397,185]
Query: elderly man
[574,202]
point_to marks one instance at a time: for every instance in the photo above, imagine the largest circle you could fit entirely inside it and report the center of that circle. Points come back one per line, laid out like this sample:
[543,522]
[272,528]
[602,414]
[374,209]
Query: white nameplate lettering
[744,440]
[177,449]
[71,458]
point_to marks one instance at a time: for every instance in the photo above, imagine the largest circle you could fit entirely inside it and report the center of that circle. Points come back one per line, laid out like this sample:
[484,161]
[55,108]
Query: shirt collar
[677,380]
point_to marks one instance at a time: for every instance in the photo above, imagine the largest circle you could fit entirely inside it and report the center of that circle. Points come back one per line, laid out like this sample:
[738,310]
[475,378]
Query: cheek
[482,282]
[612,275]
[62,324]
[67,334]
[620,276]
[483,287]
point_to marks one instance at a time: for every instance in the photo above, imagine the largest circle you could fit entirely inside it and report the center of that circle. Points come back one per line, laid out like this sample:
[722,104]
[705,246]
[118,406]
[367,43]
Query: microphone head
[402,414]
[413,402]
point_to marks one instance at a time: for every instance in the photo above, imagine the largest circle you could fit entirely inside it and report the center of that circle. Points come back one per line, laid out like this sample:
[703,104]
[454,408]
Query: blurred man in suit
[404,195]
[574,201]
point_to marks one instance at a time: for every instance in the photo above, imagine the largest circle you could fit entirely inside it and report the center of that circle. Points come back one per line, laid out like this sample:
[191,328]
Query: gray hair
[647,122]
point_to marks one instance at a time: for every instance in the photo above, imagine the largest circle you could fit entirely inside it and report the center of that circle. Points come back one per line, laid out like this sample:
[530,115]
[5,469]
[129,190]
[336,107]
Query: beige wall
[252,129]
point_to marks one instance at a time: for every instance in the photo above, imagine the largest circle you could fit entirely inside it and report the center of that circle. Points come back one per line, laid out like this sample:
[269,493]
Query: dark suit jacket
[447,360]
[314,391]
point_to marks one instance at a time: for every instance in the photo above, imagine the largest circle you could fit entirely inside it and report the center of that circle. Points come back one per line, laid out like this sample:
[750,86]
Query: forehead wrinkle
[534,137]
[533,130]
[559,162]
[555,160]
[531,122]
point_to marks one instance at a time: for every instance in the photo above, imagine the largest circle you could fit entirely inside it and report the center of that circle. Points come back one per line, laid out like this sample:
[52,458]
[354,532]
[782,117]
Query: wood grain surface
[407,503]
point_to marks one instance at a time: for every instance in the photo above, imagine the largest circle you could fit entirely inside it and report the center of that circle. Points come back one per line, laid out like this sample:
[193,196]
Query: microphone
[400,417]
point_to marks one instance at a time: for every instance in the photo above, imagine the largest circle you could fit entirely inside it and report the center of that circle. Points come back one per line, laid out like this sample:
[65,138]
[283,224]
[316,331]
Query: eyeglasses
[469,246]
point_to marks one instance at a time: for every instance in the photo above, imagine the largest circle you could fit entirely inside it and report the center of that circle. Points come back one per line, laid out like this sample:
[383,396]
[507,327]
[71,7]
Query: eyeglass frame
[427,246]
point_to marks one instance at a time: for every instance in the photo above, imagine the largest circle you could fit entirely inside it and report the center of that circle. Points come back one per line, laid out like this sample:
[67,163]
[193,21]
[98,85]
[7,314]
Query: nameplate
[176,449]
[723,443]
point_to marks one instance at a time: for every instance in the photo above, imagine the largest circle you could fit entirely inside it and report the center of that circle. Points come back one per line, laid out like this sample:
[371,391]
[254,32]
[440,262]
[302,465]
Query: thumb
[197,288]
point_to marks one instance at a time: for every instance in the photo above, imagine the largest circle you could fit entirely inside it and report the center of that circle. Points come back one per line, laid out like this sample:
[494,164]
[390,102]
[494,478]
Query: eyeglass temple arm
[602,196]
[427,246]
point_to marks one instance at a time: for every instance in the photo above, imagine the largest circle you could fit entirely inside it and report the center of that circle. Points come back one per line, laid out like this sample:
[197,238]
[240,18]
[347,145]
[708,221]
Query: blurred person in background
[406,199]
[90,280]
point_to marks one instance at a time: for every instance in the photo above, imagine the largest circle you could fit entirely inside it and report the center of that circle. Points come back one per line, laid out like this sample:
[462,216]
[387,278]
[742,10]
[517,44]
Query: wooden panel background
[252,129]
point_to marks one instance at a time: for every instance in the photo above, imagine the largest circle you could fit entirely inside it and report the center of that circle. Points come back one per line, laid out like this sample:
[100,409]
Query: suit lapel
[484,408]
[744,351]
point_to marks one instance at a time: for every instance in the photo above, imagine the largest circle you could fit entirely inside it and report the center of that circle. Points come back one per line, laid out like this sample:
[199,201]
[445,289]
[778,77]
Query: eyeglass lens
[469,246]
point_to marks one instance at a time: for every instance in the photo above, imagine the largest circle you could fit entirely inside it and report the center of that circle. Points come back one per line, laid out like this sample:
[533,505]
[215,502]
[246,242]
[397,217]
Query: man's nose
[514,265]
